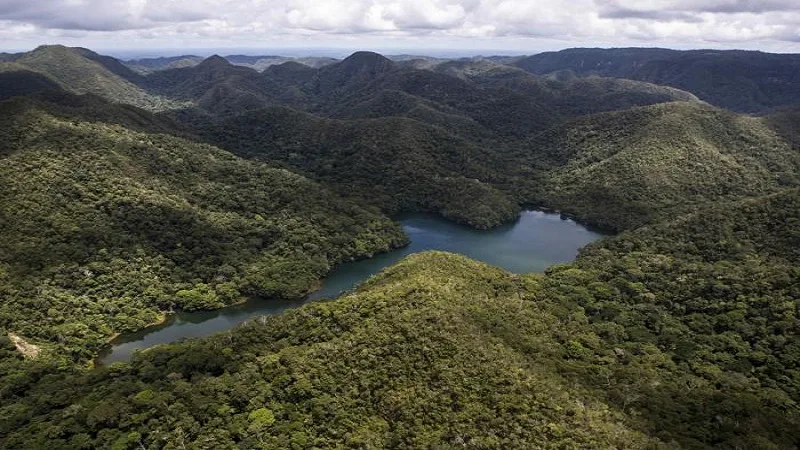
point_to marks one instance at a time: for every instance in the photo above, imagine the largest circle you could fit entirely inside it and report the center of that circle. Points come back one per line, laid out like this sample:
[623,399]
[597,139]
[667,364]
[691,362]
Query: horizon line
[327,51]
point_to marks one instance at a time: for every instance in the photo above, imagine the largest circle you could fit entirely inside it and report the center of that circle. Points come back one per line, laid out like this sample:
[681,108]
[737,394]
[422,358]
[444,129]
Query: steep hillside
[24,82]
[737,80]
[624,169]
[105,228]
[396,163]
[83,72]
[111,64]
[786,122]
[564,93]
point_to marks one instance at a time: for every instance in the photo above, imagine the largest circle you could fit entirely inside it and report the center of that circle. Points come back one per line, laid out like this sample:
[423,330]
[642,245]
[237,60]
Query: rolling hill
[398,164]
[623,169]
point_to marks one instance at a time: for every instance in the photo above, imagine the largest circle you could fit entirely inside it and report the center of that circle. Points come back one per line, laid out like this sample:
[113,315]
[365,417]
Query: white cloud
[768,24]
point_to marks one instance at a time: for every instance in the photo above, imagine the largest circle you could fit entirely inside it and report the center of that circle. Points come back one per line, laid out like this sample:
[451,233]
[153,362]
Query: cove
[531,244]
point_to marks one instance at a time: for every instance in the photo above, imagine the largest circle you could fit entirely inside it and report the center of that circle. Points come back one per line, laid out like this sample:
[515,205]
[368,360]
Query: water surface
[536,241]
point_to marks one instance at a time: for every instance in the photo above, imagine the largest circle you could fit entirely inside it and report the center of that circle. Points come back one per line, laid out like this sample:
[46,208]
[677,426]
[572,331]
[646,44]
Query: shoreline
[319,284]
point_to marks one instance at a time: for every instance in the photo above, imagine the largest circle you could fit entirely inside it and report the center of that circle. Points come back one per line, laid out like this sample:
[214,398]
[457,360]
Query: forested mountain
[145,66]
[81,71]
[624,169]
[738,80]
[107,227]
[681,331]
[214,85]
[462,130]
[396,163]
[25,82]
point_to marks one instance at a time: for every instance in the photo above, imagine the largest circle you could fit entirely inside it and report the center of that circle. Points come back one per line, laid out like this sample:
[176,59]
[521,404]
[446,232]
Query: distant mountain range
[148,65]
[742,81]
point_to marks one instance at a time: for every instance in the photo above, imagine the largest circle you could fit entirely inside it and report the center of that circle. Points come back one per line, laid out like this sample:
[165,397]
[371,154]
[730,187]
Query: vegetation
[745,81]
[395,163]
[446,140]
[146,66]
[652,339]
[106,228]
[682,331]
[625,169]
[83,72]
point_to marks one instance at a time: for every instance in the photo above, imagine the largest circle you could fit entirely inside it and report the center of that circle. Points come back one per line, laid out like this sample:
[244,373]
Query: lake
[531,244]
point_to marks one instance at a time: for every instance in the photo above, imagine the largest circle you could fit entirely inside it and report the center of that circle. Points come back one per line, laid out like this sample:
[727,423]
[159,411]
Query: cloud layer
[688,23]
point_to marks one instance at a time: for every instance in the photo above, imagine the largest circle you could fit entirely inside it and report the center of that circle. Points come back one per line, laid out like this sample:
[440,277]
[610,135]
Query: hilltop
[81,71]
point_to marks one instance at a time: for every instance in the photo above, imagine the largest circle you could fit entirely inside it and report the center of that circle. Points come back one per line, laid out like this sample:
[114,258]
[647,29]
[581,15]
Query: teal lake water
[531,244]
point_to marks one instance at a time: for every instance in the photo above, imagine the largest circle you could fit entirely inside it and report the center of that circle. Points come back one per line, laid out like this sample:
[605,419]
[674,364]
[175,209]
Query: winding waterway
[536,241]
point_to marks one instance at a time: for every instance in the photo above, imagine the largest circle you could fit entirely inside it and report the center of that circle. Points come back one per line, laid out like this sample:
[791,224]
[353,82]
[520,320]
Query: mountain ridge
[744,81]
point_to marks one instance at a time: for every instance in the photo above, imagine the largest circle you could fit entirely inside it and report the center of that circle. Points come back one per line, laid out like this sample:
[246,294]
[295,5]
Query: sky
[161,27]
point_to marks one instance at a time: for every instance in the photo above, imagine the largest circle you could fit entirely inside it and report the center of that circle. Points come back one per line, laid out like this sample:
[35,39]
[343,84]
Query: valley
[537,241]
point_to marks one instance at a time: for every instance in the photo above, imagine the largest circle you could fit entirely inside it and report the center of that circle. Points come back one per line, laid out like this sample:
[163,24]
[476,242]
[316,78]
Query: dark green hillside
[8,57]
[738,80]
[364,77]
[111,64]
[214,85]
[653,339]
[398,164]
[786,122]
[591,95]
[565,96]
[613,62]
[84,72]
[393,103]
[15,83]
[105,228]
[509,102]
[353,72]
[93,108]
[625,169]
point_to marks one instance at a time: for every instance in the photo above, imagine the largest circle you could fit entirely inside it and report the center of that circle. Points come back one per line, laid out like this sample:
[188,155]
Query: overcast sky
[469,26]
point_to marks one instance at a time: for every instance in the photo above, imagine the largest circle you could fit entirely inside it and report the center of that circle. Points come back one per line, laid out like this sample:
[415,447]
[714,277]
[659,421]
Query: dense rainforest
[129,194]
[105,228]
